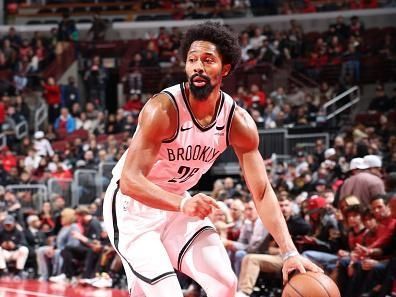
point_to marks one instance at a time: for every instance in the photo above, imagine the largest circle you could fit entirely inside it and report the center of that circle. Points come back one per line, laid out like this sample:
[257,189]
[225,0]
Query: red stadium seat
[60,145]
[368,118]
[80,133]
[102,138]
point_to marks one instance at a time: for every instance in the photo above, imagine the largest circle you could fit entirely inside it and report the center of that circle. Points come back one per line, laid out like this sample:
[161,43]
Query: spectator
[98,28]
[12,120]
[256,41]
[325,235]
[133,81]
[256,98]
[13,176]
[12,247]
[150,55]
[67,30]
[82,122]
[70,93]
[35,238]
[237,209]
[22,108]
[271,261]
[86,251]
[351,61]
[52,95]
[45,216]
[42,145]
[65,123]
[295,96]
[14,38]
[50,254]
[96,82]
[134,103]
[278,96]
[245,45]
[381,102]
[9,160]
[356,27]
[252,234]
[365,258]
[61,172]
[374,164]
[363,185]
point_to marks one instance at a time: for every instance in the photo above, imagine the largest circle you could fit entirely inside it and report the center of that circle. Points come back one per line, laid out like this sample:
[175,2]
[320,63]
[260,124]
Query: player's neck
[205,109]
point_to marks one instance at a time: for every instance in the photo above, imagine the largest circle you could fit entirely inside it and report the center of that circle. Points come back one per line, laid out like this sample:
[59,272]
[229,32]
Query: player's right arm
[157,122]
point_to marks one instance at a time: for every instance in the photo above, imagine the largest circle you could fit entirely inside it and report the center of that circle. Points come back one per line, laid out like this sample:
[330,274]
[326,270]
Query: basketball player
[153,223]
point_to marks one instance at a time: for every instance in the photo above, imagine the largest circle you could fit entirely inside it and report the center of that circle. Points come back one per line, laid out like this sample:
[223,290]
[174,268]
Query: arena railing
[21,130]
[341,102]
[30,195]
[86,186]
[62,187]
[40,115]
[3,140]
[278,141]
[104,174]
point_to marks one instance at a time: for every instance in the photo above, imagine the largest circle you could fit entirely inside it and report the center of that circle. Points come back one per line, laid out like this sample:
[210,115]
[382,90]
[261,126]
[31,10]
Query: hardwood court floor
[35,288]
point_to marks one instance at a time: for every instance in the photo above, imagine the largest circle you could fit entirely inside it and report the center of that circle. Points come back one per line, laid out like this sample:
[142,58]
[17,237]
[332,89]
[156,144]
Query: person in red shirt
[9,160]
[134,103]
[369,4]
[61,172]
[52,95]
[309,7]
[256,98]
[385,230]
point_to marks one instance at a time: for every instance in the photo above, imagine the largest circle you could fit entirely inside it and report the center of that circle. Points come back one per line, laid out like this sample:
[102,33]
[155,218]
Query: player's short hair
[224,39]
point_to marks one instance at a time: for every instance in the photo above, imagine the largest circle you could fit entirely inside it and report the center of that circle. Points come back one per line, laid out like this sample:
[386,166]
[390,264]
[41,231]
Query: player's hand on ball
[200,205]
[300,264]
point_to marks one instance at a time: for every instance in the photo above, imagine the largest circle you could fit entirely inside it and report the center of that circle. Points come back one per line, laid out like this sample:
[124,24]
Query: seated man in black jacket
[35,238]
[13,246]
[271,261]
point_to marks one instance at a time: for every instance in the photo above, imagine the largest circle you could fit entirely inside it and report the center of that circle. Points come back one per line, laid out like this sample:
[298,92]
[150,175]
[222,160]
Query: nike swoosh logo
[220,128]
[185,129]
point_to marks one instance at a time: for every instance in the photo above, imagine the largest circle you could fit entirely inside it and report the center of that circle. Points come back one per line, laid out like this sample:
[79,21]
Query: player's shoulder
[243,130]
[160,104]
[243,120]
[159,114]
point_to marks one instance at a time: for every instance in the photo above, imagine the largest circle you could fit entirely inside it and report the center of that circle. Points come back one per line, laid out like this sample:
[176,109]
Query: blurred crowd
[337,200]
[341,214]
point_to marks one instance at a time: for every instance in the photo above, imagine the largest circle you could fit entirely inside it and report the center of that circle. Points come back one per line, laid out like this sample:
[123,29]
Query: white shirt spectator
[252,234]
[32,161]
[42,145]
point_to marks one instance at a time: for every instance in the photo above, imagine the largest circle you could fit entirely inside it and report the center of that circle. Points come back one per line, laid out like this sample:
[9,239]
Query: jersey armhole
[229,121]
[173,100]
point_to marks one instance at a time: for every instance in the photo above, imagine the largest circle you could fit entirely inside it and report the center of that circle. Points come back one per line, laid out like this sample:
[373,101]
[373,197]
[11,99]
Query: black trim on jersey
[197,124]
[117,239]
[183,251]
[178,117]
[229,120]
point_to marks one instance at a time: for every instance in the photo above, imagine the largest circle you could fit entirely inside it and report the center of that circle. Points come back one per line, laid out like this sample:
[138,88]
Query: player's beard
[200,93]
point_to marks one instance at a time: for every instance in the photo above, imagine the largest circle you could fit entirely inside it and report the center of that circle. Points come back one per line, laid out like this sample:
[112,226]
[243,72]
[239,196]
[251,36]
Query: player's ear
[226,70]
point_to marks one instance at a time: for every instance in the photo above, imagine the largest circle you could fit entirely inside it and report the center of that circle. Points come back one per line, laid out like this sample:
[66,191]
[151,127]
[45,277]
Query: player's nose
[198,67]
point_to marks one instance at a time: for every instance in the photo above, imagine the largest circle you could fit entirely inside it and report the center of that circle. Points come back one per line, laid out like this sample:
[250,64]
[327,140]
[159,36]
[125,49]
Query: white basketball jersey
[184,158]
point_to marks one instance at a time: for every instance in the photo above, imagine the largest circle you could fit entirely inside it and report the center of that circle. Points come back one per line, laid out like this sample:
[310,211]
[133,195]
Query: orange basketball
[311,284]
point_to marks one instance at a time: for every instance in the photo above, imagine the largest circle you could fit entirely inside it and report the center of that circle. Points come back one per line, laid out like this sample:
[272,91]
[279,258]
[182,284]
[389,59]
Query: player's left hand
[300,264]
